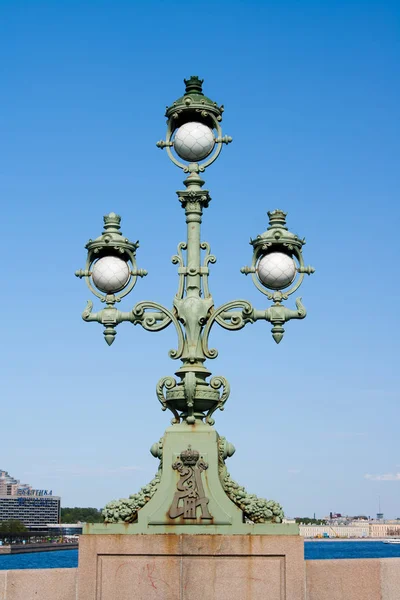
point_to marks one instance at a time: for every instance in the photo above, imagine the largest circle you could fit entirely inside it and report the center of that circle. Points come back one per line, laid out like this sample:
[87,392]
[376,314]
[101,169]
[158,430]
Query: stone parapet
[38,584]
[367,579]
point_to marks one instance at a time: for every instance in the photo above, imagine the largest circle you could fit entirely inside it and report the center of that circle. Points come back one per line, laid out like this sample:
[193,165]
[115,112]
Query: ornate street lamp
[193,142]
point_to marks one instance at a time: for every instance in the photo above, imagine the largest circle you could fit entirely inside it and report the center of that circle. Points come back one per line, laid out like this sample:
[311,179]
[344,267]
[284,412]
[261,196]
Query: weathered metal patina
[192,490]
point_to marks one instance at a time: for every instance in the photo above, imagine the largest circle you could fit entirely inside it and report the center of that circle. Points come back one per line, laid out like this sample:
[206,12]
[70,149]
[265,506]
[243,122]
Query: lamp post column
[193,211]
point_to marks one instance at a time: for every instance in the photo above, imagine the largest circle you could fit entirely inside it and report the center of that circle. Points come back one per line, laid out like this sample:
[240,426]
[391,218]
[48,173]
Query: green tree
[13,526]
[83,515]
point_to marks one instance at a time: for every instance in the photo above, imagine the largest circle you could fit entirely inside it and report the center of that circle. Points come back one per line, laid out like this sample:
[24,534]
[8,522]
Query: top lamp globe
[194,141]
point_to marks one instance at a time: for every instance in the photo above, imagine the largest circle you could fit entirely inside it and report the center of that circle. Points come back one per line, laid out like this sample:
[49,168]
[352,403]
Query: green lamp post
[182,497]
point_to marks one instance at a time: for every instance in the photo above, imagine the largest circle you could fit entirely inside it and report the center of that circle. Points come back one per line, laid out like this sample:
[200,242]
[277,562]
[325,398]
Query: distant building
[354,529]
[55,530]
[65,529]
[13,487]
[380,529]
[8,485]
[332,531]
[31,510]
[21,502]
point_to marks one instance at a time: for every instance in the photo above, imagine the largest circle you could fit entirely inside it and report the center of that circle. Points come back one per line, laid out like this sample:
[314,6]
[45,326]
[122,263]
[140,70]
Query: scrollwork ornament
[216,383]
[208,259]
[168,383]
[177,259]
[157,321]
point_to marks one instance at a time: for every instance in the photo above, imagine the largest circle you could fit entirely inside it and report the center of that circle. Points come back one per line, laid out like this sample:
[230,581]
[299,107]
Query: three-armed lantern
[194,140]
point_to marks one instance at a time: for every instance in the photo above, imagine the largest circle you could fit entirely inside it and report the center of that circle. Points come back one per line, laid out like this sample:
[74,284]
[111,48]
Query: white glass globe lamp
[110,274]
[276,270]
[194,141]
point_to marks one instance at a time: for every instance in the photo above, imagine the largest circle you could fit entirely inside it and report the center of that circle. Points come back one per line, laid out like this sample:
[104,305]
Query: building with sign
[31,510]
[30,506]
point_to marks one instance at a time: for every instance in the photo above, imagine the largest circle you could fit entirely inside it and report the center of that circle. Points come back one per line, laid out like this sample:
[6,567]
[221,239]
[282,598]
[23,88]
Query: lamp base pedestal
[191,567]
[193,493]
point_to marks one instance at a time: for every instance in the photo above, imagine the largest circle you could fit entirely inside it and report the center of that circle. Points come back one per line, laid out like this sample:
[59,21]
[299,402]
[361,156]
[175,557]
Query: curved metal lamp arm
[228,317]
[157,320]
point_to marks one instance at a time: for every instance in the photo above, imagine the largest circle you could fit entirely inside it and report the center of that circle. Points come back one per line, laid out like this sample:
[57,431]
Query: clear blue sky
[311,91]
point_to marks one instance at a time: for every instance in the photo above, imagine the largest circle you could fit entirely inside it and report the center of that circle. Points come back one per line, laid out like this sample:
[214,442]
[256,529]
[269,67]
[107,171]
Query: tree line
[82,515]
[308,521]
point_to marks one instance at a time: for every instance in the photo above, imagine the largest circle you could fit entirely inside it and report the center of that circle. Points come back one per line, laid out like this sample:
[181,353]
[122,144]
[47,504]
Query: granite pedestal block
[191,567]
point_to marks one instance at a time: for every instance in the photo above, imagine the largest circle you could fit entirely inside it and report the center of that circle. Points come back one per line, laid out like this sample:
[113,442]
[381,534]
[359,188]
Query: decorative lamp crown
[111,241]
[112,222]
[189,457]
[194,85]
[194,106]
[277,218]
[277,234]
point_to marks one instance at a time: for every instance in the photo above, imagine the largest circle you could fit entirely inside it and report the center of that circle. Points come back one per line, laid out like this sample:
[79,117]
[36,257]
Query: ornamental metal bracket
[110,317]
[278,315]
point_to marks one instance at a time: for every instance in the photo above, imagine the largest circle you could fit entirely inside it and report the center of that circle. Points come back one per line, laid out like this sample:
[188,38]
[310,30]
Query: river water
[326,549]
[315,550]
